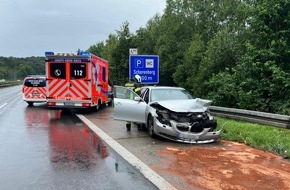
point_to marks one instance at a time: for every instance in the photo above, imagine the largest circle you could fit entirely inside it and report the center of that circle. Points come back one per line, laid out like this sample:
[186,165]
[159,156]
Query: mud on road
[219,165]
[226,165]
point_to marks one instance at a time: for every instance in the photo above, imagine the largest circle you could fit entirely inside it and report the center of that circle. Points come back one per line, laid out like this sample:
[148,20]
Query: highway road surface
[48,149]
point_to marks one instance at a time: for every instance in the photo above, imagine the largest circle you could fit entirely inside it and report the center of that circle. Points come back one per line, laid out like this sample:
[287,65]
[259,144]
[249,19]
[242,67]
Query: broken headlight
[163,117]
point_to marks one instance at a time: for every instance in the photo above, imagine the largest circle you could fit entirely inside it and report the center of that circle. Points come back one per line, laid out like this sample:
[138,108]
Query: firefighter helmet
[137,78]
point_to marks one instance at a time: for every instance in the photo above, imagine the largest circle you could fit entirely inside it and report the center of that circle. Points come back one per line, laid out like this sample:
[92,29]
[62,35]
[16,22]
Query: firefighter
[135,85]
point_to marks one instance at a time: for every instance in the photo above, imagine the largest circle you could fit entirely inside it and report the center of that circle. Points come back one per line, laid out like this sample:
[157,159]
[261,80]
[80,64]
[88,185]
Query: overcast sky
[31,27]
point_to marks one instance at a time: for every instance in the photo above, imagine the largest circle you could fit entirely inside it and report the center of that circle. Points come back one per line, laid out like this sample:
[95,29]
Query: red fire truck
[76,80]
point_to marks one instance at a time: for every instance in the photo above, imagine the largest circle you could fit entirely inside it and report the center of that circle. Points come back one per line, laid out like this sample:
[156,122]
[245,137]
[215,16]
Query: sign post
[147,66]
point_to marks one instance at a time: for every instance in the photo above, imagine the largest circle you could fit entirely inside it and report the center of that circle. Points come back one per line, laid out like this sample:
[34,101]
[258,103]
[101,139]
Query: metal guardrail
[282,121]
[11,83]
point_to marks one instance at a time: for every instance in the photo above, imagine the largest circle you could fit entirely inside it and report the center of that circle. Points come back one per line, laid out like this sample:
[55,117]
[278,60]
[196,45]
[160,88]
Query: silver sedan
[169,112]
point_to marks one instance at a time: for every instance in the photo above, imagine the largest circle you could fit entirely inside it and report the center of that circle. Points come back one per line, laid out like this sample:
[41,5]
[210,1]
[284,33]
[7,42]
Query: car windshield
[36,82]
[169,94]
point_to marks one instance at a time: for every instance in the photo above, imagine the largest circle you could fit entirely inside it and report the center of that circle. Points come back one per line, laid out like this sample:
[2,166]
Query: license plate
[69,104]
[35,94]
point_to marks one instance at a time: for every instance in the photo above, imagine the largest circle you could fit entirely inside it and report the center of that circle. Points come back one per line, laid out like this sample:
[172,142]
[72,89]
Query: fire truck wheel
[97,107]
[102,106]
[110,103]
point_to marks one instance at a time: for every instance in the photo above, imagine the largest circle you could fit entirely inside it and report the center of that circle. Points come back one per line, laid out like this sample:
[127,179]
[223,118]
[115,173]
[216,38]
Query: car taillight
[50,103]
[86,104]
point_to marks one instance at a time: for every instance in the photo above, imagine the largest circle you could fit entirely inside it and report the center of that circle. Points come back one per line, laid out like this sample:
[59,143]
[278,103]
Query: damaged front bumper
[172,133]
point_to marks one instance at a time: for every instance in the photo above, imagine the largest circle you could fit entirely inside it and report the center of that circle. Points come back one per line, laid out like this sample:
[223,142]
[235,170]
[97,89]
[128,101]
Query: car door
[128,106]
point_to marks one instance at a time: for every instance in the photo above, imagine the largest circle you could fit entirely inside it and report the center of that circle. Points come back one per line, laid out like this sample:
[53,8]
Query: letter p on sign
[138,63]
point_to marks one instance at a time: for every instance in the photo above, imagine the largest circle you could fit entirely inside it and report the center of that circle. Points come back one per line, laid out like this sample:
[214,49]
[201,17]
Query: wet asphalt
[51,149]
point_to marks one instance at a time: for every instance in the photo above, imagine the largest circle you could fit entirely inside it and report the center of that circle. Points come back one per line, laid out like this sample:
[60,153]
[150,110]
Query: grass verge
[263,137]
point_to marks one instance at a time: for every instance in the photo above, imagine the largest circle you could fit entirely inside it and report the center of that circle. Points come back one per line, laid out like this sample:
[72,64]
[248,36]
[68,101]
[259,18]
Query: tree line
[12,68]
[234,52]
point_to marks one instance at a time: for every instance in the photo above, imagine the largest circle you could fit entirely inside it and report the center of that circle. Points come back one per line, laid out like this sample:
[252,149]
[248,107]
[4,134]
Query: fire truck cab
[76,80]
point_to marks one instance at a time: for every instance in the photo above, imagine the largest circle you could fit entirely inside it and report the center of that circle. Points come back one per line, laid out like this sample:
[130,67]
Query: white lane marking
[3,105]
[11,100]
[4,108]
[148,173]
[13,97]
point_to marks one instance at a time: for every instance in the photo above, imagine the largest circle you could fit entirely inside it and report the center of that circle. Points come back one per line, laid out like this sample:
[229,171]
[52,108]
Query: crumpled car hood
[193,105]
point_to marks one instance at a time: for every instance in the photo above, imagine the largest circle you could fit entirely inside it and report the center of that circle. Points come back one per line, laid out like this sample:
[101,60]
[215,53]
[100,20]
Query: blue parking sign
[147,66]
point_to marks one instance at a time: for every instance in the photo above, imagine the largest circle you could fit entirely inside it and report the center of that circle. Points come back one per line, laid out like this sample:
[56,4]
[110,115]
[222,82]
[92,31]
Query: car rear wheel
[150,125]
[30,103]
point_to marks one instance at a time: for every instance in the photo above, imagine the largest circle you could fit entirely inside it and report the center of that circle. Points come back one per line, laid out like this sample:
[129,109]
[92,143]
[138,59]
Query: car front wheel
[150,125]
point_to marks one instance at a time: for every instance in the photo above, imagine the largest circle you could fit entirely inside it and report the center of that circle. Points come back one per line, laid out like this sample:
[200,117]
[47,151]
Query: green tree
[177,26]
[97,49]
[261,78]
[145,39]
[188,69]
[234,52]
[120,55]
[222,53]
[13,68]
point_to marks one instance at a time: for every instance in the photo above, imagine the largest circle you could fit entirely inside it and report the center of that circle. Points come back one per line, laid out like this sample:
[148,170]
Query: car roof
[162,87]
[35,77]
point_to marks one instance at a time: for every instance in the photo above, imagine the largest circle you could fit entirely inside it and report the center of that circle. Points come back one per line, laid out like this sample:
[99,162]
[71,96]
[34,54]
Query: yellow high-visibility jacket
[135,87]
